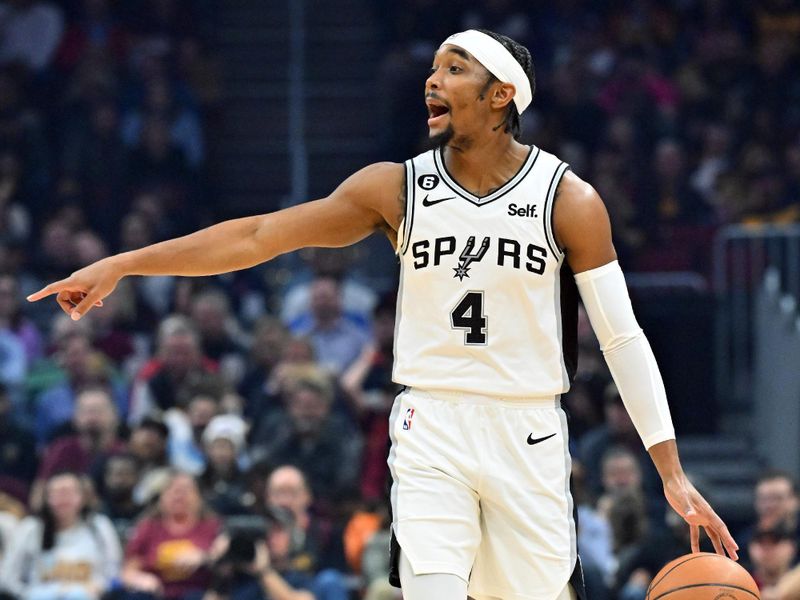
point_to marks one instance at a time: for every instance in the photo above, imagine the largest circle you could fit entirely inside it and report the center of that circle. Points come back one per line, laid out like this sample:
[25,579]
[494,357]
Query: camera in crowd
[238,563]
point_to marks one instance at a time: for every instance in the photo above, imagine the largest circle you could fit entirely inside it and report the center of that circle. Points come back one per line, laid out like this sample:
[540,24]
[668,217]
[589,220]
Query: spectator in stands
[245,570]
[322,545]
[284,543]
[148,442]
[186,430]
[152,295]
[622,472]
[13,362]
[594,538]
[65,550]
[266,349]
[368,386]
[618,430]
[11,511]
[308,435]
[629,525]
[772,554]
[14,322]
[120,476]
[775,503]
[80,366]
[167,555]
[221,338]
[715,159]
[15,218]
[55,254]
[357,299]
[22,129]
[337,341]
[297,359]
[223,482]
[157,163]
[94,166]
[96,435]
[636,570]
[32,31]
[166,380]
[17,447]
[184,125]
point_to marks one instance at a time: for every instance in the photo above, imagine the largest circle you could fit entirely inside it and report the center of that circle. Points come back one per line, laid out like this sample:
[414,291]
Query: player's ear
[503,95]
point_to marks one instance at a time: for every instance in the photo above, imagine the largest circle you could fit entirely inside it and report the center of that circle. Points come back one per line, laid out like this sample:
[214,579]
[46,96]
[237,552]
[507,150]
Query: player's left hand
[689,504]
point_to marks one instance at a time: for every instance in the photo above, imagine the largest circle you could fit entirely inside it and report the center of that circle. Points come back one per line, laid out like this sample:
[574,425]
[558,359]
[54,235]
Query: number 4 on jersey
[468,315]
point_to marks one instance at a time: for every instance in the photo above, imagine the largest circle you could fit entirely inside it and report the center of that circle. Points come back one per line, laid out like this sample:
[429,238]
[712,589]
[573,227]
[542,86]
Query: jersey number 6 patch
[468,315]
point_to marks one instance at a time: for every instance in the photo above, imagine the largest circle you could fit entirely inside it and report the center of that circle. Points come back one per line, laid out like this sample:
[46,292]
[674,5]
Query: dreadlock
[523,57]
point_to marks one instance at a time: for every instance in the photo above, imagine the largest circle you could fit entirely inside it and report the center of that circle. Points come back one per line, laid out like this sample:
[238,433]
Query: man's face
[121,475]
[286,488]
[74,356]
[456,94]
[180,353]
[621,474]
[209,317]
[308,410]
[147,444]
[772,555]
[94,412]
[325,299]
[775,500]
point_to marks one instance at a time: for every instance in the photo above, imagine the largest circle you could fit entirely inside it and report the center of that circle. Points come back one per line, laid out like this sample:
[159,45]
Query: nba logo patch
[407,420]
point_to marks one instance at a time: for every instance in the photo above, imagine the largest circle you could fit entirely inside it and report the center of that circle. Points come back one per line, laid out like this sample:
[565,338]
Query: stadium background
[124,123]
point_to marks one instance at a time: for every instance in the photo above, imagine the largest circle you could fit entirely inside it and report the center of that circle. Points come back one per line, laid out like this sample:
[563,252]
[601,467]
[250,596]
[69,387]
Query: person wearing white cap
[495,240]
[223,482]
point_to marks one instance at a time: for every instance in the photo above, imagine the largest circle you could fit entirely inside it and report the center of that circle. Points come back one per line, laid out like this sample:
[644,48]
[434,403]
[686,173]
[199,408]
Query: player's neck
[486,164]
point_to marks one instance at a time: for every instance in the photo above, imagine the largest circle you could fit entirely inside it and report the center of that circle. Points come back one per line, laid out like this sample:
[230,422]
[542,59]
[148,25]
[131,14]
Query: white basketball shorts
[481,491]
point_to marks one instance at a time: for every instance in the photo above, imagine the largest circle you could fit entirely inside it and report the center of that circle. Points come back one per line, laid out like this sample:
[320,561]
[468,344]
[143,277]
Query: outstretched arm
[583,229]
[366,201]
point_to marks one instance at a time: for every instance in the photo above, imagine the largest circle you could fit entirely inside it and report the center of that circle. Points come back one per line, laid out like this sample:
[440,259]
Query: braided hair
[523,57]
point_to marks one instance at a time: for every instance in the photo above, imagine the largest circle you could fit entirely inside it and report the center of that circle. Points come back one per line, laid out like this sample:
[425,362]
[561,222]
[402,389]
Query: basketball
[703,576]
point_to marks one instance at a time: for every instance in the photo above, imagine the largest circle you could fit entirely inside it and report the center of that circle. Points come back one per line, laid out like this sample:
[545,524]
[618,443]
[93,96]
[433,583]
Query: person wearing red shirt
[167,555]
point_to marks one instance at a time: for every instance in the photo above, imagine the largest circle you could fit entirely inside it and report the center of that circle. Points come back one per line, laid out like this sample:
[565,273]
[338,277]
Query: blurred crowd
[227,437]
[683,114]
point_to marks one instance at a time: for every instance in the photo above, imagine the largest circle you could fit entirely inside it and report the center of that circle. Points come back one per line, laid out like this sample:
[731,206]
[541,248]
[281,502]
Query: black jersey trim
[568,301]
[547,213]
[519,177]
[411,194]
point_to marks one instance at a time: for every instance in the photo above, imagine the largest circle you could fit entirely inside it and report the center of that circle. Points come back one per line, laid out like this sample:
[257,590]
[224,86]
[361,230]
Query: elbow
[621,340]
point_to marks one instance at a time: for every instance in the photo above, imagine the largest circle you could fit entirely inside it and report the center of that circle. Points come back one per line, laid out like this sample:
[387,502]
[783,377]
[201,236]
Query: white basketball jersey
[486,302]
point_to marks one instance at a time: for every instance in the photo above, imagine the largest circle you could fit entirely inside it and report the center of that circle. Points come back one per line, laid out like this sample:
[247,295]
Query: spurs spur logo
[468,257]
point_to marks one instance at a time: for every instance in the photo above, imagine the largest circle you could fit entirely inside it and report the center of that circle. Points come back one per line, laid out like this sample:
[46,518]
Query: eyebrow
[458,51]
[462,53]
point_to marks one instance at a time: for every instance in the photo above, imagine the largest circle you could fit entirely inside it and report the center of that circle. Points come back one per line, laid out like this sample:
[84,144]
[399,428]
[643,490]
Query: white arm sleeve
[627,351]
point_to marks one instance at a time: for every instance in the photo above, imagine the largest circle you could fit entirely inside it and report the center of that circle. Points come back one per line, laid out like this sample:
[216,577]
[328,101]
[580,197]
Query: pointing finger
[694,535]
[48,290]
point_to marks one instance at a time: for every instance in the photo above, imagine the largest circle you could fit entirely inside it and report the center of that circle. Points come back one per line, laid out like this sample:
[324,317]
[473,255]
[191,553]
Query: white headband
[497,60]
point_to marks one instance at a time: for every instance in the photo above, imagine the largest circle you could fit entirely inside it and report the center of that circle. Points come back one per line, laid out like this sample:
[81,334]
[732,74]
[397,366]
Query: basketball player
[489,233]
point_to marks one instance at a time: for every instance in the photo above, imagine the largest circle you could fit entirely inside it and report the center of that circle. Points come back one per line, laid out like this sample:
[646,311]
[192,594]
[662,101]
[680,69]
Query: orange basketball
[703,576]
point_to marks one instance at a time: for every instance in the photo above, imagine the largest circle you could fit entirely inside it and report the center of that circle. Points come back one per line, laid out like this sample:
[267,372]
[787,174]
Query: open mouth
[436,111]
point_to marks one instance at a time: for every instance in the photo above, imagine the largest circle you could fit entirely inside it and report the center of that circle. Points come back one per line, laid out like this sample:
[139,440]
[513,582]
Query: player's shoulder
[381,170]
[579,214]
[577,198]
[378,176]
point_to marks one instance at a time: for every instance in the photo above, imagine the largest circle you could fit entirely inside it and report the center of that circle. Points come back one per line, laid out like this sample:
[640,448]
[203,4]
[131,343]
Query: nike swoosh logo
[426,202]
[532,440]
